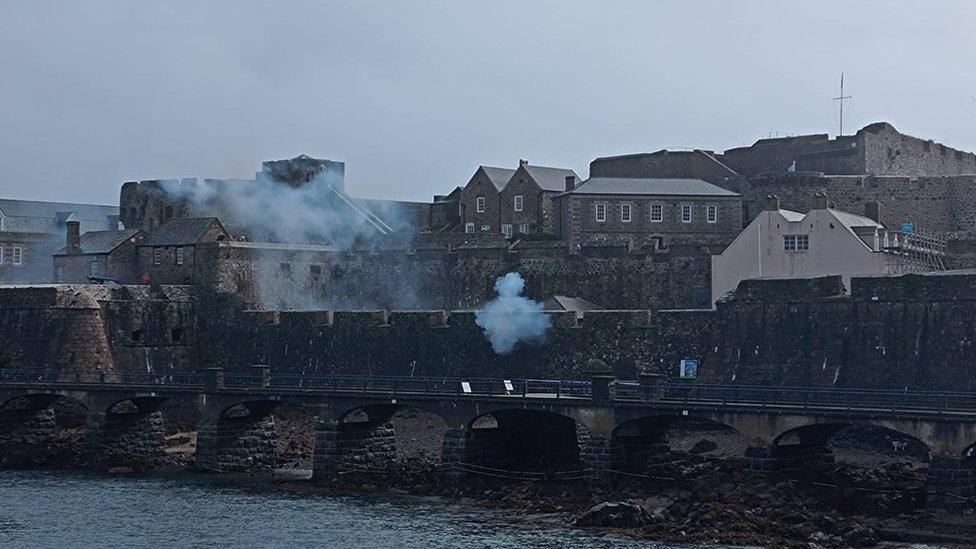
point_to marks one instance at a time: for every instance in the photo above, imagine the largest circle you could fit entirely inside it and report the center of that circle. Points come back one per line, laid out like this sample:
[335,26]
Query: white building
[785,244]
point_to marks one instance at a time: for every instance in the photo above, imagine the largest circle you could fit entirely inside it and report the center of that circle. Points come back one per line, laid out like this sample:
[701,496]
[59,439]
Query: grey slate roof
[34,216]
[566,303]
[550,179]
[650,186]
[103,242]
[499,176]
[180,232]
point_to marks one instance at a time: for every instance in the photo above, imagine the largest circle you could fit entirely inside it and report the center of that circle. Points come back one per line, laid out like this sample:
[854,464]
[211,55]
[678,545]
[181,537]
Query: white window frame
[17,256]
[157,252]
[687,208]
[481,204]
[629,208]
[178,255]
[796,242]
[600,212]
[524,228]
[659,218]
[469,228]
[486,228]
[519,203]
[1,254]
[711,213]
[507,230]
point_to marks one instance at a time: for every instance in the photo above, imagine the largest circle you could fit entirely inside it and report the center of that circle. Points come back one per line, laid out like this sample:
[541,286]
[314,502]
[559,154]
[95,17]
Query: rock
[621,514]
[702,446]
[121,471]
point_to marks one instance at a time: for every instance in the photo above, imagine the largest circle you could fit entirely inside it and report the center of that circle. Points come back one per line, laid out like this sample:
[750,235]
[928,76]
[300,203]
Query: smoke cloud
[294,276]
[511,317]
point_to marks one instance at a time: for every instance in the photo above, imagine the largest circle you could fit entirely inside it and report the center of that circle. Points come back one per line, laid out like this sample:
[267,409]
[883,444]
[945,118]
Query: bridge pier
[355,446]
[452,454]
[30,435]
[951,482]
[240,438]
[595,456]
[130,434]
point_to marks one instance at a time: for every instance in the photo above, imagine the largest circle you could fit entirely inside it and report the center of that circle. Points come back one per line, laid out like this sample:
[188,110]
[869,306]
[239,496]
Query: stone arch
[240,436]
[520,440]
[643,443]
[361,439]
[42,429]
[130,433]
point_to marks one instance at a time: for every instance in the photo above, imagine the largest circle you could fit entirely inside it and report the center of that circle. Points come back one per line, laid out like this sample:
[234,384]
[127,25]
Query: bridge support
[452,454]
[30,435]
[131,434]
[595,456]
[241,438]
[951,482]
[355,446]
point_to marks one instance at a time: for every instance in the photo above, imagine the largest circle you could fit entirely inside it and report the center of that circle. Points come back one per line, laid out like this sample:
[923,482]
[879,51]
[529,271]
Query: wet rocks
[620,514]
[702,446]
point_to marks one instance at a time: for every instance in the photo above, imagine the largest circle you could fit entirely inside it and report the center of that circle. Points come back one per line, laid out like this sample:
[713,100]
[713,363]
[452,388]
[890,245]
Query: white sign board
[466,387]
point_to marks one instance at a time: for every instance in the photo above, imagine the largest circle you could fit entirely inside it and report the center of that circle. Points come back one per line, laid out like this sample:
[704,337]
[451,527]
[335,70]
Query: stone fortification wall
[610,276]
[893,332]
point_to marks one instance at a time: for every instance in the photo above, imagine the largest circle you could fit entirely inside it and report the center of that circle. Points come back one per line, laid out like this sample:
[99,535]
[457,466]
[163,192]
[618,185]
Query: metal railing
[700,394]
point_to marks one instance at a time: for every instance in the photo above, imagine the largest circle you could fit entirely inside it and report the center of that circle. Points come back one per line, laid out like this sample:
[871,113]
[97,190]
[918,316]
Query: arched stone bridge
[584,428]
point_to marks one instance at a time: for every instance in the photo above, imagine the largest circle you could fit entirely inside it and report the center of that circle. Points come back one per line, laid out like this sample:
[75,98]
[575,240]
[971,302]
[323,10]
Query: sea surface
[74,509]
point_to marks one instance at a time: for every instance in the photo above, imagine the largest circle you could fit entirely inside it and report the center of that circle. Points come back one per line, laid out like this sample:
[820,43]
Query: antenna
[841,98]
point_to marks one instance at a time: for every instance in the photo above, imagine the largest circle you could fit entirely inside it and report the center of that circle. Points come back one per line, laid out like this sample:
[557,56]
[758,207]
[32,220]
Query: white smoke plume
[511,317]
[267,211]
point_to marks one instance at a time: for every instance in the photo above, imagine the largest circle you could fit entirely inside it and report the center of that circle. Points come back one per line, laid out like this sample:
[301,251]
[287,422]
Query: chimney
[523,162]
[872,211]
[73,237]
[821,202]
[570,182]
[771,203]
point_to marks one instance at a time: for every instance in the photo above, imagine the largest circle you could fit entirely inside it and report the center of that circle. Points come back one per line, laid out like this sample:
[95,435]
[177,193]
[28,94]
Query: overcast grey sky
[414,95]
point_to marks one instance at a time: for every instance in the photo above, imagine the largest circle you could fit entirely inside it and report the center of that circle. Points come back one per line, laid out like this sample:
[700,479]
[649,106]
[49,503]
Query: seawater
[60,509]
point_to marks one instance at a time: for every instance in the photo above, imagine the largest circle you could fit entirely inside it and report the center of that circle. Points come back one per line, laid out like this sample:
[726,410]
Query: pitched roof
[649,186]
[499,176]
[47,217]
[549,179]
[854,220]
[102,242]
[566,303]
[180,232]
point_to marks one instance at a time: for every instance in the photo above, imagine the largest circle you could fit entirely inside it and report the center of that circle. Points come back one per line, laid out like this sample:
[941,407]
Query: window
[285,267]
[625,212]
[796,242]
[1,254]
[486,228]
[176,335]
[157,256]
[657,213]
[315,271]
[518,202]
[95,268]
[686,213]
[507,230]
[711,213]
[469,228]
[524,228]
[481,204]
[18,256]
[179,255]
[601,212]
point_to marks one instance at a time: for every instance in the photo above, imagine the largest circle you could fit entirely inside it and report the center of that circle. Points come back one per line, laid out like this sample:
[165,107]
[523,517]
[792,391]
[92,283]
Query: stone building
[647,213]
[823,242]
[479,201]
[445,212]
[525,203]
[168,255]
[98,256]
[31,231]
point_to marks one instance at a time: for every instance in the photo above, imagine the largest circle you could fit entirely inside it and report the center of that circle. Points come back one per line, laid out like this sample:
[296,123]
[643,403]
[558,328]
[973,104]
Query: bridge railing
[53,376]
[803,397]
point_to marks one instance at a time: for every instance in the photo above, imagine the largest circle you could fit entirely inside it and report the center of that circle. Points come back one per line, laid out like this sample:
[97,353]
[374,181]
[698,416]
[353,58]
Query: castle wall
[665,164]
[888,152]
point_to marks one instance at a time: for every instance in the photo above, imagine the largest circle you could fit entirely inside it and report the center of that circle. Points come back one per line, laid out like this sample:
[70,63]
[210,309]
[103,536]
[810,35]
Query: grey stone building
[525,203]
[648,213]
[479,199]
[98,256]
[168,254]
[31,231]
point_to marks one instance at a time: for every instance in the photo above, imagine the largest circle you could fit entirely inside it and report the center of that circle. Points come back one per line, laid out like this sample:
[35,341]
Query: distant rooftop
[650,186]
